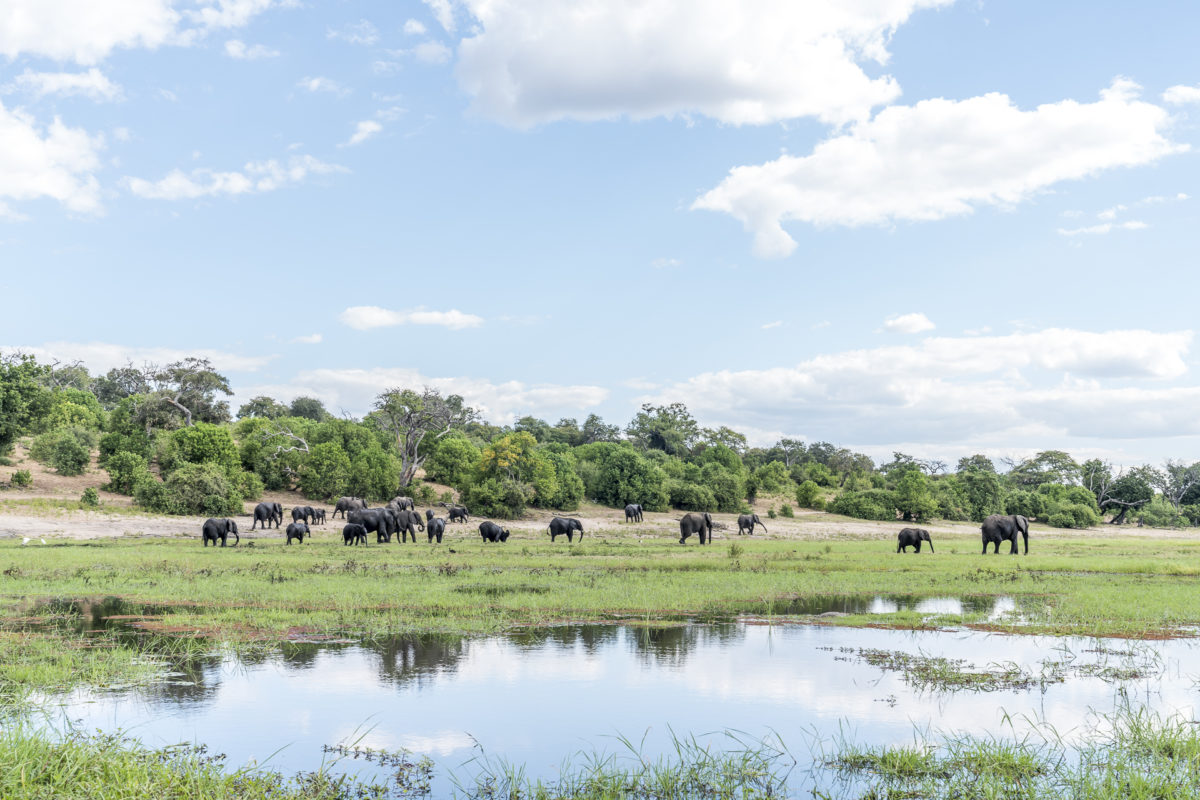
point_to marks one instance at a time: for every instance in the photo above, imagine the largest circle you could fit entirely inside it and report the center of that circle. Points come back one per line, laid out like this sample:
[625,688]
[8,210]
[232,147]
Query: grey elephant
[458,514]
[402,503]
[214,529]
[746,522]
[633,512]
[345,504]
[297,531]
[566,526]
[267,513]
[912,537]
[435,527]
[491,532]
[305,513]
[408,523]
[998,528]
[374,519]
[318,516]
[353,534]
[696,523]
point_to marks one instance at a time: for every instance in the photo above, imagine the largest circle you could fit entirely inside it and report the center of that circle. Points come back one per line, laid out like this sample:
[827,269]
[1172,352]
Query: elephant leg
[570,537]
[917,547]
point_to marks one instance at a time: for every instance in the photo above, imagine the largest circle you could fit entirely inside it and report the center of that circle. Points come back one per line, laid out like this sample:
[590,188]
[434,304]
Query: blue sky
[943,227]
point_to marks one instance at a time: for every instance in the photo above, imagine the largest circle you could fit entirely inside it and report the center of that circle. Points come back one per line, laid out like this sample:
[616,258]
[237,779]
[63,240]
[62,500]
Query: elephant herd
[400,519]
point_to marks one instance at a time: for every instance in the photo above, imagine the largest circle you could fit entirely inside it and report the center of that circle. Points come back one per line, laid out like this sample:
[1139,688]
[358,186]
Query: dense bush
[373,475]
[325,474]
[726,485]
[453,462]
[498,497]
[202,443]
[1074,515]
[125,472]
[773,477]
[912,496]
[1027,504]
[67,450]
[616,475]
[21,478]
[1158,513]
[808,495]
[872,504]
[786,511]
[90,497]
[570,485]
[690,496]
[196,489]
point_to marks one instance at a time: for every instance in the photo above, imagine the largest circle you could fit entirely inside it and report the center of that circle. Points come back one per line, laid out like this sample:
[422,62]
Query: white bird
[27,540]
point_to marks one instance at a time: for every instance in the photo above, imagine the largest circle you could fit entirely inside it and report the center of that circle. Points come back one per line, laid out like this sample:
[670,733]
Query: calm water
[540,695]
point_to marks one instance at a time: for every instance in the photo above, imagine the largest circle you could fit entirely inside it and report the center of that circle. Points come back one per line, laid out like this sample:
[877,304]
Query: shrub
[1027,504]
[1074,515]
[202,443]
[871,504]
[690,496]
[808,495]
[498,497]
[249,485]
[422,493]
[198,489]
[5,461]
[771,512]
[453,462]
[125,471]
[819,474]
[773,477]
[67,450]
[786,510]
[21,478]
[1158,513]
[326,472]
[90,497]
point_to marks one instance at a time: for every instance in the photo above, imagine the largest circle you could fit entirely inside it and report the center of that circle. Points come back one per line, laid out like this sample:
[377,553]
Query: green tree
[975,462]
[516,458]
[983,492]
[454,462]
[191,387]
[23,399]
[1048,466]
[409,418]
[374,475]
[326,472]
[668,428]
[615,474]
[125,471]
[308,408]
[808,495]
[570,485]
[202,443]
[773,477]
[262,406]
[913,498]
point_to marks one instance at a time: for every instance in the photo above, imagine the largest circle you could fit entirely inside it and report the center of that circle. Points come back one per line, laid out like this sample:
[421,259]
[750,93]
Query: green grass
[51,506]
[267,592]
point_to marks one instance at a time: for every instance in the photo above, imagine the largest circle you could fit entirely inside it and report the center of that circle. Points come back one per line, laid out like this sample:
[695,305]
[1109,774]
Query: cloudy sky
[946,227]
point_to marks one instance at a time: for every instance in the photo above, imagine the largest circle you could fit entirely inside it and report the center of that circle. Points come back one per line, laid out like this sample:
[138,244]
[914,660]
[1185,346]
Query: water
[538,695]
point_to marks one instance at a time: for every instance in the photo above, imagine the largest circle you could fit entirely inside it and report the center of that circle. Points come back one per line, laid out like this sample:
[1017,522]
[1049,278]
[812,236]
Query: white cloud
[214,14]
[666,263]
[500,402]
[1182,95]
[364,318]
[443,12]
[776,324]
[1103,228]
[92,84]
[256,177]
[363,131]
[909,323]
[321,84]
[941,158]
[361,32]
[236,48]
[432,52]
[414,27]
[954,389]
[54,161]
[1111,213]
[314,338]
[100,357]
[83,32]
[737,61]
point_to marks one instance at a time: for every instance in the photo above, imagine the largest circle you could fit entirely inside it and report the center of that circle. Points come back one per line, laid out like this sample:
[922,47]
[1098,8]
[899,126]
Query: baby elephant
[913,537]
[435,527]
[354,534]
[318,516]
[219,529]
[297,531]
[491,532]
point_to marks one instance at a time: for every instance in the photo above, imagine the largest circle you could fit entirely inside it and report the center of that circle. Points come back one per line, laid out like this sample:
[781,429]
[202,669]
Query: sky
[922,225]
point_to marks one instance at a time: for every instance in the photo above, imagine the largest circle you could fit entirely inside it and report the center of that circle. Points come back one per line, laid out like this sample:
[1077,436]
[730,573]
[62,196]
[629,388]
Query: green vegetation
[22,478]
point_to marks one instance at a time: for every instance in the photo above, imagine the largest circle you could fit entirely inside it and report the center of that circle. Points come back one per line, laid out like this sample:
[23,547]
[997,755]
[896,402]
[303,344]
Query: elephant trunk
[236,538]
[930,545]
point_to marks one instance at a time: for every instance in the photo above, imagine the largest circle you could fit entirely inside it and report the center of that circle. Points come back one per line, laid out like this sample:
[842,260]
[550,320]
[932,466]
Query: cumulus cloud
[321,84]
[666,263]
[363,131]
[54,161]
[365,318]
[361,32]
[100,357]
[769,325]
[1182,95]
[92,84]
[941,158]
[314,338]
[68,30]
[953,389]
[431,52]
[501,402]
[255,178]
[215,14]
[908,323]
[1103,228]
[738,61]
[236,48]
[414,27]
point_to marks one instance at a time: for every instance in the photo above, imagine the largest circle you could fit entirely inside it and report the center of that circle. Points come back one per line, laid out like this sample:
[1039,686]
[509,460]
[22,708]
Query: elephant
[345,504]
[696,523]
[305,513]
[353,534]
[374,519]
[566,525]
[746,522]
[214,529]
[408,523]
[912,537]
[491,532]
[297,531]
[458,514]
[403,503]
[999,527]
[633,512]
[435,527]
[266,513]
[318,516]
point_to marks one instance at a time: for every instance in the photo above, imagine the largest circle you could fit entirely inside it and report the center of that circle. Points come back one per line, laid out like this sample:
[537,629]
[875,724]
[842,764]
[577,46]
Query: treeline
[166,437]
